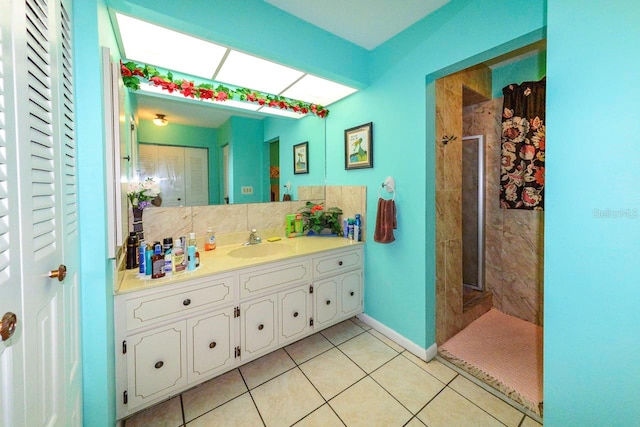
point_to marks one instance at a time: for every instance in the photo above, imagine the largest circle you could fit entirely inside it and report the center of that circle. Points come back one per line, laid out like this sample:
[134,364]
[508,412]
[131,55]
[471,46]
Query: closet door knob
[352,293]
[212,344]
[186,302]
[159,364]
[328,302]
[260,327]
[295,314]
[339,262]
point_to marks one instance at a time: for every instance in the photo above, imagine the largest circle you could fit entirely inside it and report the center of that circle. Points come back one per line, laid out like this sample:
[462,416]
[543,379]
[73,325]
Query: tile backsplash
[232,223]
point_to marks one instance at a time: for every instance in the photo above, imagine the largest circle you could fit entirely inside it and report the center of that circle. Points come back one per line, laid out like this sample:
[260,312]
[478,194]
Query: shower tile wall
[514,237]
[450,317]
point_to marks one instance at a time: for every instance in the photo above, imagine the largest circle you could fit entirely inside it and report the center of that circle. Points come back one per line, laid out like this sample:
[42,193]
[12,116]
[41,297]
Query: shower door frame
[481,195]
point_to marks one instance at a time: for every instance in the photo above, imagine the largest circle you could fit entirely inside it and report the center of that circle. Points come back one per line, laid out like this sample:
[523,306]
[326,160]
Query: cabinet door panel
[351,291]
[157,363]
[295,312]
[258,326]
[211,341]
[325,302]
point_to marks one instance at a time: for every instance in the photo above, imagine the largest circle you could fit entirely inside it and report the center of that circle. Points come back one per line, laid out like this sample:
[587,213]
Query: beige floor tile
[450,409]
[331,372]
[211,394]
[360,323]
[240,412]
[305,349]
[265,368]
[165,414]
[415,422]
[375,407]
[368,352]
[321,417]
[434,367]
[397,347]
[530,422]
[342,332]
[487,401]
[412,386]
[286,399]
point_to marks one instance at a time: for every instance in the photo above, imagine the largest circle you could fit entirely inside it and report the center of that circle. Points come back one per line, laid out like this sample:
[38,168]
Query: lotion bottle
[157,261]
[193,242]
[178,256]
[210,240]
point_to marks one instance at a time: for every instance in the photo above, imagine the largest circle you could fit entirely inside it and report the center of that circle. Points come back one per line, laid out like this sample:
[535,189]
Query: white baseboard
[425,354]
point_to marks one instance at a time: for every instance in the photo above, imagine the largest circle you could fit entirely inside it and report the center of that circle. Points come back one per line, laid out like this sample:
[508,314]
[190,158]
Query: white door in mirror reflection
[182,173]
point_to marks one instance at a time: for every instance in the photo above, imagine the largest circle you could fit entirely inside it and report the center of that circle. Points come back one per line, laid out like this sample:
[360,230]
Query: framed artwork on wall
[358,147]
[301,158]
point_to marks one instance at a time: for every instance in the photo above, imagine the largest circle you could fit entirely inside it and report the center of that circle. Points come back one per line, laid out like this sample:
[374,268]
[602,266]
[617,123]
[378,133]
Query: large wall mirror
[205,153]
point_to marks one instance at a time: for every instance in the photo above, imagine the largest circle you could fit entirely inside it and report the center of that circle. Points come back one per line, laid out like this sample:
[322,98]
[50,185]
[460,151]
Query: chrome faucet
[253,238]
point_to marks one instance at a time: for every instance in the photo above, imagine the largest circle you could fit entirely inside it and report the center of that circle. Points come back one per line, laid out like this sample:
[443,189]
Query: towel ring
[389,185]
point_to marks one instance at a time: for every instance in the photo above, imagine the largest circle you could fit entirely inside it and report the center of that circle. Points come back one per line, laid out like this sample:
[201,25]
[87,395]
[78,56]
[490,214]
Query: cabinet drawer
[259,280]
[157,307]
[337,263]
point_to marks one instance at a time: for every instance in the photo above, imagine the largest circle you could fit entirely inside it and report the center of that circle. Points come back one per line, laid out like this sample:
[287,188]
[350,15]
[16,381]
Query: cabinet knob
[352,293]
[295,314]
[328,302]
[260,327]
[159,364]
[212,344]
[186,302]
[339,262]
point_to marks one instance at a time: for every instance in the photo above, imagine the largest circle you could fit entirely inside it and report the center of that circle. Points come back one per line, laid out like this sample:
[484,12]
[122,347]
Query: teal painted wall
[247,156]
[292,132]
[186,136]
[531,68]
[400,276]
[91,30]
[592,218]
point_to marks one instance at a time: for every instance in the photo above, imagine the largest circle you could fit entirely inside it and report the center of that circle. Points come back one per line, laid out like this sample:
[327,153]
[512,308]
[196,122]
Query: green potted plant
[320,221]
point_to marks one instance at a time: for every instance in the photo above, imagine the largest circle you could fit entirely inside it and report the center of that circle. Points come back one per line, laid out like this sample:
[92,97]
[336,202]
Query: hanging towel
[386,221]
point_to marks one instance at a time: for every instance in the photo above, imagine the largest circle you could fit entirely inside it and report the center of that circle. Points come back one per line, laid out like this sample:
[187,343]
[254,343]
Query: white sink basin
[262,250]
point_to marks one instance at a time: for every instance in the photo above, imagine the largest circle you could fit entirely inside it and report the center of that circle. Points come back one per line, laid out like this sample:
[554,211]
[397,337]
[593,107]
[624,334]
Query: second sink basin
[261,250]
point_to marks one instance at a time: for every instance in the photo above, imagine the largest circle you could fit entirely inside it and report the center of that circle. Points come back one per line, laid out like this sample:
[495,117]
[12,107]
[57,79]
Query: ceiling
[367,23]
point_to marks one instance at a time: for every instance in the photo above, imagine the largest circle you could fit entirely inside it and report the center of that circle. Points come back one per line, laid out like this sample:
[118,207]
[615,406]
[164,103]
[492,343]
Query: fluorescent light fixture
[160,120]
[249,71]
[281,112]
[151,44]
[317,90]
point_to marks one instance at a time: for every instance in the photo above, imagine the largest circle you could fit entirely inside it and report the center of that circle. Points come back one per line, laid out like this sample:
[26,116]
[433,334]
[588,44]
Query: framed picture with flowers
[358,147]
[301,158]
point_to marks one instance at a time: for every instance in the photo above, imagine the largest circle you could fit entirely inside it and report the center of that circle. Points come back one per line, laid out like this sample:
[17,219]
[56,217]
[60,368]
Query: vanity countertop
[220,260]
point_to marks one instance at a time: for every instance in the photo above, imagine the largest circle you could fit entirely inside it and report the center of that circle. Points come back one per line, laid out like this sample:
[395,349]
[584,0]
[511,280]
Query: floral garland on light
[133,73]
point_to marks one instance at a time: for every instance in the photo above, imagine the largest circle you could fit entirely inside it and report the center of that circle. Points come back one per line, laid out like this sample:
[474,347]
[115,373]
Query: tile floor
[347,375]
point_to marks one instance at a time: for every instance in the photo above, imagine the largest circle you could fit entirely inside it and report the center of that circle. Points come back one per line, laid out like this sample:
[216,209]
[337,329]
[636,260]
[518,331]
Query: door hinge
[236,312]
[124,347]
[237,352]
[125,397]
[310,289]
[311,321]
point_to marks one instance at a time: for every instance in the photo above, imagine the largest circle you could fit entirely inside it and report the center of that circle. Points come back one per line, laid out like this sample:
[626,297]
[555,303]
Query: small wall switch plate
[247,190]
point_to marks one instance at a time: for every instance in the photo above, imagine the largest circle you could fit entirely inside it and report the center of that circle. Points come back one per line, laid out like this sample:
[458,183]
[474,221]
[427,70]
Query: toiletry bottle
[157,261]
[167,246]
[298,225]
[147,260]
[191,257]
[178,257]
[142,249]
[345,228]
[132,250]
[357,229]
[350,223]
[193,242]
[210,240]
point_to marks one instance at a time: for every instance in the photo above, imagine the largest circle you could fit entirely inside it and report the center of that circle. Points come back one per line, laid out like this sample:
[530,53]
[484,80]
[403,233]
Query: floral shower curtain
[523,143]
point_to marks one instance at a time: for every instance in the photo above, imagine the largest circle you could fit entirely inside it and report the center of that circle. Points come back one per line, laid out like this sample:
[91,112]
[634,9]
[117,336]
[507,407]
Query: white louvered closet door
[40,366]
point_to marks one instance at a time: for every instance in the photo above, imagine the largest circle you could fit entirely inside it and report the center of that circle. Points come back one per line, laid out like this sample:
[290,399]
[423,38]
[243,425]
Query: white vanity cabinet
[174,336]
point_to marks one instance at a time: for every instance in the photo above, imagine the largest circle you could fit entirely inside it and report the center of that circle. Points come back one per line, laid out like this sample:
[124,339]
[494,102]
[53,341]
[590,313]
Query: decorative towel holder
[389,185]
